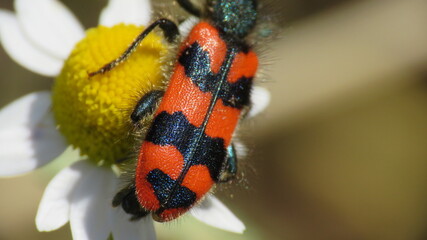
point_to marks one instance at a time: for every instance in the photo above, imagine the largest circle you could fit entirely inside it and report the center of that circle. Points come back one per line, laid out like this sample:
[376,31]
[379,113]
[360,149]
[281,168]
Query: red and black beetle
[188,147]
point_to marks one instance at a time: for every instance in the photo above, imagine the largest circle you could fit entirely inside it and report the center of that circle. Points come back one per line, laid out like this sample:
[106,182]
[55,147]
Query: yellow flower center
[94,113]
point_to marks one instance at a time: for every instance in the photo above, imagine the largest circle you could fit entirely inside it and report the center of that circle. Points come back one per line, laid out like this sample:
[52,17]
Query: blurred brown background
[341,153]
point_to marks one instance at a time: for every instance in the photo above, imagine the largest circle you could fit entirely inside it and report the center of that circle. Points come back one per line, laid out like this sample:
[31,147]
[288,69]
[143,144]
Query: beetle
[188,147]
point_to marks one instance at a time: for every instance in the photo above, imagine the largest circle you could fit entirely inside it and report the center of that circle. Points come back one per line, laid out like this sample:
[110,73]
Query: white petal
[187,25]
[212,212]
[124,229]
[260,99]
[241,149]
[27,145]
[27,110]
[50,25]
[54,207]
[23,149]
[91,213]
[22,50]
[136,12]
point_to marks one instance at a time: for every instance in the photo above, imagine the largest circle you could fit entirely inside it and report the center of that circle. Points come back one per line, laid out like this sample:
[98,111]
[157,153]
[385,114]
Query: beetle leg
[146,105]
[127,198]
[229,169]
[170,30]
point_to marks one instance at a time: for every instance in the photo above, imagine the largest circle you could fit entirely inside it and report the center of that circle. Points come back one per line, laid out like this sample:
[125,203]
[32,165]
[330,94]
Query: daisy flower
[88,114]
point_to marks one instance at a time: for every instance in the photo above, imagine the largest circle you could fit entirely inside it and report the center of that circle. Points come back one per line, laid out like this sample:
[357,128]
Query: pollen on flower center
[93,113]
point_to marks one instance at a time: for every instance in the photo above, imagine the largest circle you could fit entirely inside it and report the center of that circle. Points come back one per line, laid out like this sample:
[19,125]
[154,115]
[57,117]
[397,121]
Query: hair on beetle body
[188,147]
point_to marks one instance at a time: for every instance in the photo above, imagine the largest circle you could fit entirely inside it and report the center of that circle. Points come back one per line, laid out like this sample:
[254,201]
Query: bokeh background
[341,152]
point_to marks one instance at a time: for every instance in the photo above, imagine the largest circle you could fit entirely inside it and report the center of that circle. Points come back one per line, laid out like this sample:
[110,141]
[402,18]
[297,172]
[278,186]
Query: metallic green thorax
[235,17]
